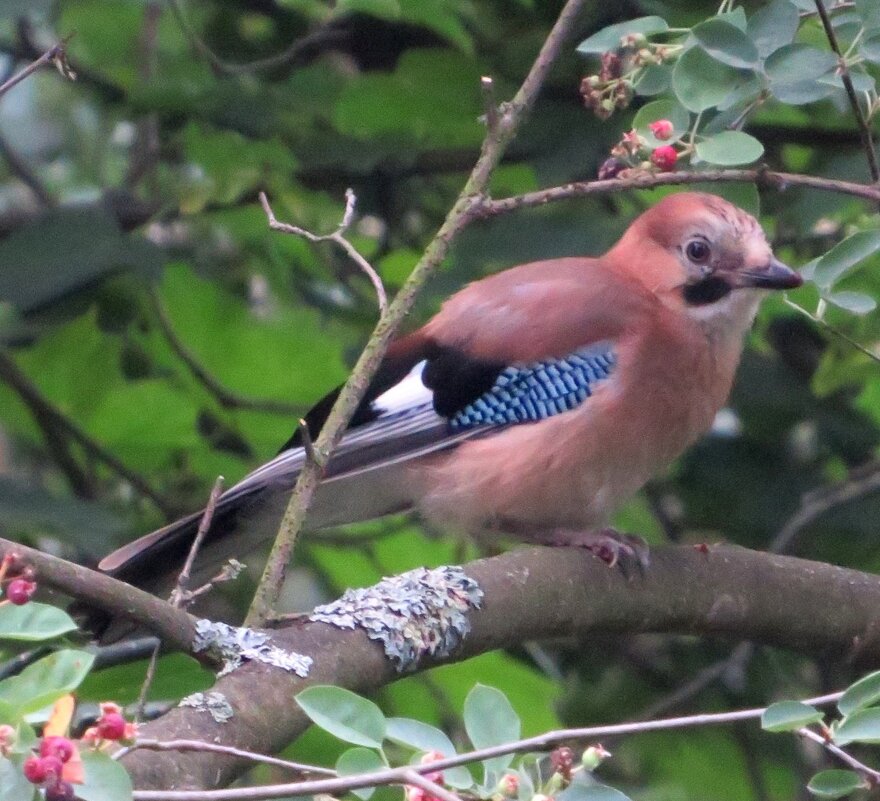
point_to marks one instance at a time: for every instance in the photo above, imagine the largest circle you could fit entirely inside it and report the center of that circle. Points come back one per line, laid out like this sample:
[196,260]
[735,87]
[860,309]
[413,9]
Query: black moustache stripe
[706,291]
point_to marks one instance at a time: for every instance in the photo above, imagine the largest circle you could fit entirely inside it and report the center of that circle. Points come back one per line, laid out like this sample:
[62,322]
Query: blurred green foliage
[146,172]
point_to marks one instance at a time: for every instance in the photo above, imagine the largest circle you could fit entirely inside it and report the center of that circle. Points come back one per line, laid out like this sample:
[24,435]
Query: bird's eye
[697,251]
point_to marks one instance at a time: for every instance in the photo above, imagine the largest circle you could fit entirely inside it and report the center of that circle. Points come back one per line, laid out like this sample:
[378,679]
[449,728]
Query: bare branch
[490,104]
[55,54]
[849,760]
[338,237]
[408,773]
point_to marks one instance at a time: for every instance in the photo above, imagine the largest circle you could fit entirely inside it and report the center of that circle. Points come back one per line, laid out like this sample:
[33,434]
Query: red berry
[662,129]
[20,590]
[664,157]
[111,726]
[57,746]
[60,791]
[34,770]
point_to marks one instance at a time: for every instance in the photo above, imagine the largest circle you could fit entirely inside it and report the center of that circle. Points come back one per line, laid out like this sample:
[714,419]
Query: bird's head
[705,256]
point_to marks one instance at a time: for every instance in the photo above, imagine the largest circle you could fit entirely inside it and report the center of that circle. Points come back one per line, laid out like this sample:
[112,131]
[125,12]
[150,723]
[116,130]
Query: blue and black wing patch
[538,390]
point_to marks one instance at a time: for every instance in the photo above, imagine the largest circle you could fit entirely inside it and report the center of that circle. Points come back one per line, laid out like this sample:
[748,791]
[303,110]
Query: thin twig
[760,177]
[355,387]
[286,57]
[433,789]
[52,419]
[309,445]
[387,776]
[338,236]
[864,128]
[224,396]
[200,745]
[180,595]
[55,53]
[817,503]
[832,330]
[21,170]
[843,756]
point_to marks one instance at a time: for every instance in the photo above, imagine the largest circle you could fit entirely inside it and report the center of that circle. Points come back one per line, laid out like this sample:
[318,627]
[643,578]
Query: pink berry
[34,770]
[57,746]
[20,590]
[662,129]
[664,157]
[509,785]
[111,726]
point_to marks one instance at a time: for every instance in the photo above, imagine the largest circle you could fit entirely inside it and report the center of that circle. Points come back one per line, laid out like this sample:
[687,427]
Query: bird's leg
[609,545]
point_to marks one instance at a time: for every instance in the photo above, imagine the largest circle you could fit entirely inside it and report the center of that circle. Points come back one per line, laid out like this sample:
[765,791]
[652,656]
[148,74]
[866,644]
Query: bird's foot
[611,546]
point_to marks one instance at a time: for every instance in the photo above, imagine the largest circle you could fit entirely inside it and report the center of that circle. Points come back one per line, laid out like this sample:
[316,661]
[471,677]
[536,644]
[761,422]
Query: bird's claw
[625,551]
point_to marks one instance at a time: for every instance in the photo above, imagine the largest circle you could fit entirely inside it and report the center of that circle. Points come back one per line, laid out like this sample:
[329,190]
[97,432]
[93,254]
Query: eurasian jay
[537,400]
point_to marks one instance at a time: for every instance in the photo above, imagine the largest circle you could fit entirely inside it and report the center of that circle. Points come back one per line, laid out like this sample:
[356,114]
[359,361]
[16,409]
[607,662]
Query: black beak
[775,275]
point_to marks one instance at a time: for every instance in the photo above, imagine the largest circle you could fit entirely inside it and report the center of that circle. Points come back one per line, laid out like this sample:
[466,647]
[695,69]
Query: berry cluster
[47,768]
[612,87]
[20,577]
[110,726]
[634,152]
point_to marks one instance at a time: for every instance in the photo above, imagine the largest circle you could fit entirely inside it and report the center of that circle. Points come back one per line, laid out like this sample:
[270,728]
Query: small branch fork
[338,237]
[408,773]
[56,53]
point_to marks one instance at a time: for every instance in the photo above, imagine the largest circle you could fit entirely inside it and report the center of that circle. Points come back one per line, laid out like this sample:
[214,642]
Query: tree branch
[539,593]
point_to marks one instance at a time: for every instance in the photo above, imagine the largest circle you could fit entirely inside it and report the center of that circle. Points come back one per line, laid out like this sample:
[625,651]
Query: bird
[535,402]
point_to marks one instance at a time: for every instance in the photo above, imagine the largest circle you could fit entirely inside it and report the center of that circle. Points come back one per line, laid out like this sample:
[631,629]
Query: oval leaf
[45,681]
[730,147]
[662,110]
[424,737]
[789,716]
[773,26]
[793,72]
[700,82]
[344,714]
[854,302]
[359,760]
[835,783]
[862,727]
[845,255]
[489,720]
[609,38]
[726,43]
[861,694]
[33,622]
[105,779]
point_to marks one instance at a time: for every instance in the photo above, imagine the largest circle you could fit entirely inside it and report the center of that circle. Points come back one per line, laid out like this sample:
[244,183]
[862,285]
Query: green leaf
[773,26]
[700,82]
[844,256]
[359,760]
[869,13]
[609,38]
[835,783]
[13,785]
[860,694]
[870,49]
[105,779]
[489,719]
[424,737]
[662,110]
[581,791]
[862,726]
[344,714]
[726,43]
[44,682]
[789,716]
[653,80]
[855,302]
[730,147]
[33,622]
[793,72]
